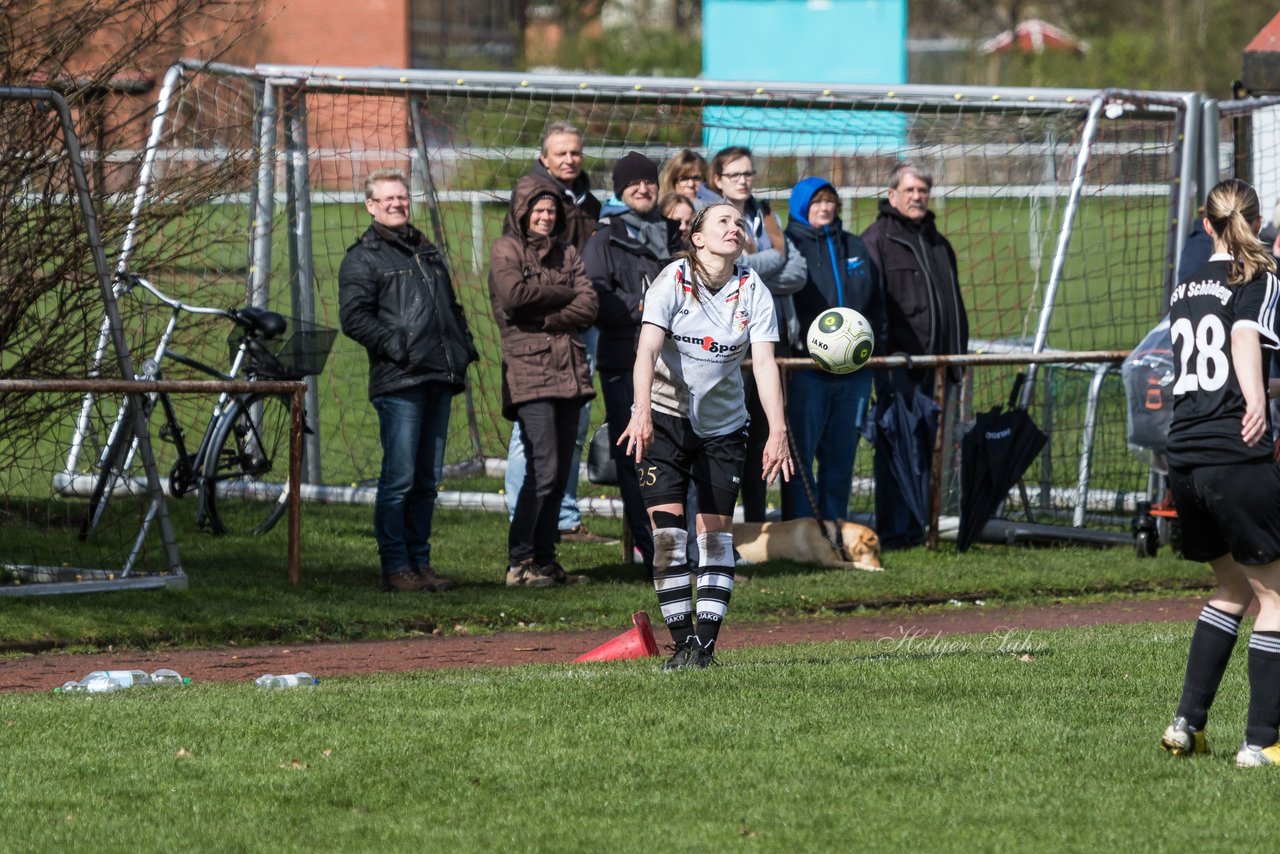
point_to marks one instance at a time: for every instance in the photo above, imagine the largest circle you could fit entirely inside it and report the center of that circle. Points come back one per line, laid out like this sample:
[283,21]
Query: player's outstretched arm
[777,452]
[638,436]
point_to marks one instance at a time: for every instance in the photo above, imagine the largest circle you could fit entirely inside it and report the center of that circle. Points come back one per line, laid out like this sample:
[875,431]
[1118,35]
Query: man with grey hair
[926,316]
[396,299]
[560,161]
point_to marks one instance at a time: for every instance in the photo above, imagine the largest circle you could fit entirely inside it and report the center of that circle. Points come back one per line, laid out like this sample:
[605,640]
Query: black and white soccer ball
[840,340]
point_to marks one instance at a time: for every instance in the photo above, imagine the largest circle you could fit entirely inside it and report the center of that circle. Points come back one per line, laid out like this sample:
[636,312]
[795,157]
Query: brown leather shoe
[433,583]
[557,573]
[526,573]
[580,534]
[405,579]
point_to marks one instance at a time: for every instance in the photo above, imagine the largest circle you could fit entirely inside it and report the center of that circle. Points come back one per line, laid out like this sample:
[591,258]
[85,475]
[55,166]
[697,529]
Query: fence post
[264,211]
[935,464]
[302,268]
[1188,153]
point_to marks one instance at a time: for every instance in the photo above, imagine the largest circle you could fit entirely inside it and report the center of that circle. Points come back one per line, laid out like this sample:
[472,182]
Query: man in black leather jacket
[926,316]
[397,300]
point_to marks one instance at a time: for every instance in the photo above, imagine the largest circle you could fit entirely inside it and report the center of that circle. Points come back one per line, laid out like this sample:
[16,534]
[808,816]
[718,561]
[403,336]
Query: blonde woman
[1224,481]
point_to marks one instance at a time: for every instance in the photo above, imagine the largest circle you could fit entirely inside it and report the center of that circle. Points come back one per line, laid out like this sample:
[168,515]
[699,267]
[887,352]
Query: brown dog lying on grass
[802,541]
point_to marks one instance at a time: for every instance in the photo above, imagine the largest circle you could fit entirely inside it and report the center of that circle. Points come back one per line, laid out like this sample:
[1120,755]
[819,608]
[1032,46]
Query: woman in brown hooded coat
[542,302]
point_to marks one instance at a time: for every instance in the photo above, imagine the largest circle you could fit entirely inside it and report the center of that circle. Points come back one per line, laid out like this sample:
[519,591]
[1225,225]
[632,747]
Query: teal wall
[804,41]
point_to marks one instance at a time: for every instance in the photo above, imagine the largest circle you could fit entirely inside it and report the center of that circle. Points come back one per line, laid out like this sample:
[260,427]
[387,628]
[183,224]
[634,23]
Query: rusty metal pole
[297,411]
[935,465]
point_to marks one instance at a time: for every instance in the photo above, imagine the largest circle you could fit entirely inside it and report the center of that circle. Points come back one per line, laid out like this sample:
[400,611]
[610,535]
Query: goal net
[56,285]
[1061,207]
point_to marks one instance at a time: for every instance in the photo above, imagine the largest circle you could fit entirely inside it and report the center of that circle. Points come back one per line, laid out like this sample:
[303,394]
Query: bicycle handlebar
[129,280]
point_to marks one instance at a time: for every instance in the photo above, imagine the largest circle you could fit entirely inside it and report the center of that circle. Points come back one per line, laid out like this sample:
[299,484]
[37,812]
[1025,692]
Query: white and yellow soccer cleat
[1255,757]
[1181,740]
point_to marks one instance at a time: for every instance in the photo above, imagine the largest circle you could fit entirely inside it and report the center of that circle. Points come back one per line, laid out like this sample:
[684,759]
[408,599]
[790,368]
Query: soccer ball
[840,340]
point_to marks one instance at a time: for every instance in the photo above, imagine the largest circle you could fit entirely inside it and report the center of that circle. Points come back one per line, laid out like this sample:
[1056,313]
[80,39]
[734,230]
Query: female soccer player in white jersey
[702,316]
[1225,484]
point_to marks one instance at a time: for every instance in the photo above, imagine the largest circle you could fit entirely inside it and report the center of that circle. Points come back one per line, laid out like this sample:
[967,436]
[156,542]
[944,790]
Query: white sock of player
[672,580]
[715,584]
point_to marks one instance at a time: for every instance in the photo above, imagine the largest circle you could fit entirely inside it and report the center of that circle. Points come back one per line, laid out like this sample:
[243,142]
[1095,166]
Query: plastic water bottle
[290,680]
[102,681]
[165,676]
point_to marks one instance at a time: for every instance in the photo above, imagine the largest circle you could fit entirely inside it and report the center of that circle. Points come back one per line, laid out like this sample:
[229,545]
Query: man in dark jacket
[560,161]
[826,411]
[397,300]
[622,258]
[926,316]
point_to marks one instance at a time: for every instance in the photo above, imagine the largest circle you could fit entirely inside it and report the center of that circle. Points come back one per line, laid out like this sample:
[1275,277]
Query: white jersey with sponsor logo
[698,375]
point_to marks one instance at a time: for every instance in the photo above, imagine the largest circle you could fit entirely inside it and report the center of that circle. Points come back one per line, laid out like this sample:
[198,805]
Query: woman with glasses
[703,315]
[686,173]
[782,268]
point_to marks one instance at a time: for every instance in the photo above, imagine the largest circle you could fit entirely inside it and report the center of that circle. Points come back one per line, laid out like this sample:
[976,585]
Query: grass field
[238,592]
[1035,742]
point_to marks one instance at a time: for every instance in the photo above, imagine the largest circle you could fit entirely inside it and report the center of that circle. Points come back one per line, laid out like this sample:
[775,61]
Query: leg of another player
[1261,737]
[1212,643]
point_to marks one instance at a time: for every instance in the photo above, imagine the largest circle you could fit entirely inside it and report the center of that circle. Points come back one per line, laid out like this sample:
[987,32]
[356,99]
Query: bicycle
[247,435]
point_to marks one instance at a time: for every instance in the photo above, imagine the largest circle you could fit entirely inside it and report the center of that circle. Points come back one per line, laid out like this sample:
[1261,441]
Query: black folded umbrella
[994,454]
[905,427]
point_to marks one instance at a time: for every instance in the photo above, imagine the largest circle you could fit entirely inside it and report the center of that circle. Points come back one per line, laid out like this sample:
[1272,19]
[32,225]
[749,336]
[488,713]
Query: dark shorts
[678,455]
[1230,508]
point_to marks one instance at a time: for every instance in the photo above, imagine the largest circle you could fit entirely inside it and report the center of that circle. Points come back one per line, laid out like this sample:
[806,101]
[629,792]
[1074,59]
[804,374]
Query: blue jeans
[412,425]
[570,518]
[826,413]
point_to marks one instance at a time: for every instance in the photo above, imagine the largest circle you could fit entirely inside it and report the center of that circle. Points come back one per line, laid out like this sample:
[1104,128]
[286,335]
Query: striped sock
[672,580]
[715,584]
[1211,646]
[1264,689]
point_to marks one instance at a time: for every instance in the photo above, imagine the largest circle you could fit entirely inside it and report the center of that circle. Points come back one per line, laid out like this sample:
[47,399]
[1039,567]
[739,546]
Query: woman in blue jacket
[826,411]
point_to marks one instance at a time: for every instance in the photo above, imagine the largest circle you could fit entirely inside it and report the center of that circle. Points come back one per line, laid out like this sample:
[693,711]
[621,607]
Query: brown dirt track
[232,664]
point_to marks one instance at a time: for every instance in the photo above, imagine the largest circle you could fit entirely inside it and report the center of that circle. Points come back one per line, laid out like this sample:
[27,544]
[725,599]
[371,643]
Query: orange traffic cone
[638,642]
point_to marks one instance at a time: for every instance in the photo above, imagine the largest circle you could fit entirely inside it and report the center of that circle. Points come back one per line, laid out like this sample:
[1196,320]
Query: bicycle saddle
[267,324]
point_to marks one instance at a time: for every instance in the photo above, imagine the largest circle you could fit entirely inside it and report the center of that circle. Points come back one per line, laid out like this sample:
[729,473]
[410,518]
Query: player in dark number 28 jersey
[1225,483]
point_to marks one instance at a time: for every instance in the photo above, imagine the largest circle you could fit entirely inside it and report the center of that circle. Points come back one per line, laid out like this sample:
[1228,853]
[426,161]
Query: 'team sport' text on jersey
[1208,405]
[698,375]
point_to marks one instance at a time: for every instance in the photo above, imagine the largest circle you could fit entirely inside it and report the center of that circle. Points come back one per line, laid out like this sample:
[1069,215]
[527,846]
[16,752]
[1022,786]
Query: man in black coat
[560,161]
[396,299]
[926,316]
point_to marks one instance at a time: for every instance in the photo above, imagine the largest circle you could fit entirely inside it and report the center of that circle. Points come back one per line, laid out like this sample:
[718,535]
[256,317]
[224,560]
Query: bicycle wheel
[112,469]
[246,472]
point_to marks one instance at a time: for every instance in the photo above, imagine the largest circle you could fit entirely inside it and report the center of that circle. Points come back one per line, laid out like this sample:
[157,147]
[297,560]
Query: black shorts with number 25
[678,455]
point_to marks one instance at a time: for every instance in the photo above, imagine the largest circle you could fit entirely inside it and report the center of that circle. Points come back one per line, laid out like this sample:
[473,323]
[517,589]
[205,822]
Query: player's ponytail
[1232,209]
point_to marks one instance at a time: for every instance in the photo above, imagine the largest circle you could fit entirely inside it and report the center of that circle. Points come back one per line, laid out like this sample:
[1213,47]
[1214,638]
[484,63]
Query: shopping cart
[1147,374]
